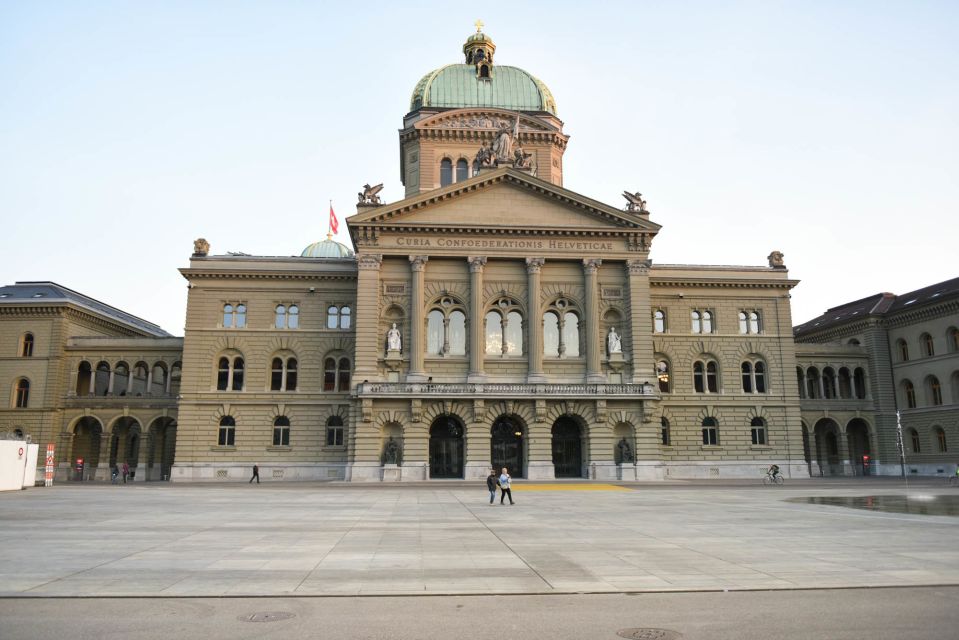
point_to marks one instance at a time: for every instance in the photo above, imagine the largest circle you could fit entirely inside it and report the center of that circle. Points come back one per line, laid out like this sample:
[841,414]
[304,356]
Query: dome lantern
[479,49]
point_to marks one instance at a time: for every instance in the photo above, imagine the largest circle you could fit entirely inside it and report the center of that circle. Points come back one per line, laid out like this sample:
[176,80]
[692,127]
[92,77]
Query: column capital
[533,265]
[418,263]
[638,267]
[369,261]
[476,263]
[590,265]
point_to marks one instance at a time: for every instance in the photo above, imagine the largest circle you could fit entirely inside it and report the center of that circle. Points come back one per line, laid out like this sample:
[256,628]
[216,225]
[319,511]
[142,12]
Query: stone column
[534,320]
[110,383]
[149,391]
[842,444]
[93,381]
[594,373]
[130,381]
[477,319]
[102,471]
[640,329]
[169,378]
[417,372]
[368,339]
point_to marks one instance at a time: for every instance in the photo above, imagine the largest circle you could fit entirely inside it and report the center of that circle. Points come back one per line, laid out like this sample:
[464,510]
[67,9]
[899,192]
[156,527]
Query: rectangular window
[759,435]
[334,436]
[226,436]
[710,436]
[281,436]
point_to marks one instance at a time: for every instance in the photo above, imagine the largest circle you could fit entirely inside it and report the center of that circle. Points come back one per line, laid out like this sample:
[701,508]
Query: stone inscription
[483,243]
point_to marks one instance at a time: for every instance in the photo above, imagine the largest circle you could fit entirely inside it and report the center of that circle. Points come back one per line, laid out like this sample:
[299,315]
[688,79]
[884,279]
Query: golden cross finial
[479,25]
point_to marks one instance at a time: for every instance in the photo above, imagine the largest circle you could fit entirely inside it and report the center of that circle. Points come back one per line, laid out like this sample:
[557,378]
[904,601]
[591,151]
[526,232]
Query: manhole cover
[649,634]
[267,616]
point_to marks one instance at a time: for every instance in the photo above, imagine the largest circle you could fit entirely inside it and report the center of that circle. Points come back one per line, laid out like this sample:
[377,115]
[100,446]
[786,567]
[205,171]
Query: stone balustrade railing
[497,389]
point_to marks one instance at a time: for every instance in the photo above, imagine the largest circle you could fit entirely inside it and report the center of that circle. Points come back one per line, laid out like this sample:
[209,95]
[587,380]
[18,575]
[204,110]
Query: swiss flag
[334,223]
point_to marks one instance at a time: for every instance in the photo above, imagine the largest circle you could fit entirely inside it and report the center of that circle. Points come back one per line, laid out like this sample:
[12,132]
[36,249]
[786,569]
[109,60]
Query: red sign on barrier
[48,470]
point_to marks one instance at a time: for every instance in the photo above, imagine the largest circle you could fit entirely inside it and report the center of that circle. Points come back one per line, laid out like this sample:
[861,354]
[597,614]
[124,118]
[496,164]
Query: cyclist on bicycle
[774,471]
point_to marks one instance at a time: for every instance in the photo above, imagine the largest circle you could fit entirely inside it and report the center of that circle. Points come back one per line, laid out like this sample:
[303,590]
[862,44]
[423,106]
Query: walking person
[126,472]
[504,487]
[114,474]
[491,485]
[256,475]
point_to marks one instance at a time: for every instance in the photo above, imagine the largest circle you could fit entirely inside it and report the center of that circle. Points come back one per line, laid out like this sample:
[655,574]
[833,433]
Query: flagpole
[329,224]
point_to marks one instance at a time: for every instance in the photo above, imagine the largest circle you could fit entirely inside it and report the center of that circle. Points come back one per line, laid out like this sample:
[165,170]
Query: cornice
[242,274]
[929,312]
[732,283]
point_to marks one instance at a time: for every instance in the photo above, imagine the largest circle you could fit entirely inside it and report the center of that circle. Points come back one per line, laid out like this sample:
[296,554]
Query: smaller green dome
[328,248]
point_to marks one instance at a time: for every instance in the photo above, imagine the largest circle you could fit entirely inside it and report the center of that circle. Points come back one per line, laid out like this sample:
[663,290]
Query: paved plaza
[332,539]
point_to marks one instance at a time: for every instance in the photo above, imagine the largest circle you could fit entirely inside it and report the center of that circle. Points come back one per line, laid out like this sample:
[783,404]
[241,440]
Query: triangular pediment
[504,200]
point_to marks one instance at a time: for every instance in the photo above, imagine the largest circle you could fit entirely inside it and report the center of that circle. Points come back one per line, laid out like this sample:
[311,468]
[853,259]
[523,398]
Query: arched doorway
[567,448]
[857,435]
[446,448]
[86,446]
[826,433]
[125,443]
[506,446]
[162,447]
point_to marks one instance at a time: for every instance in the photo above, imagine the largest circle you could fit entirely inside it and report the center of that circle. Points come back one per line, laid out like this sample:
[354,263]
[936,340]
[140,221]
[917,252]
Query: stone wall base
[235,472]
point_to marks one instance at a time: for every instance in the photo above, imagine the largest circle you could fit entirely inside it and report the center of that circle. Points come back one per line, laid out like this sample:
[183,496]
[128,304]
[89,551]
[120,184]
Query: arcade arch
[446,447]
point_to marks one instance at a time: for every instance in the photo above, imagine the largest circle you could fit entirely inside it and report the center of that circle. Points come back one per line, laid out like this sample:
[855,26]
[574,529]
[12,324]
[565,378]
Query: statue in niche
[625,453]
[391,451]
[614,342]
[394,342]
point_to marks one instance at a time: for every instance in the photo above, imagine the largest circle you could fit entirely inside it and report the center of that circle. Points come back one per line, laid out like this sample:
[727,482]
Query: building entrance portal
[567,449]
[506,448]
[446,448]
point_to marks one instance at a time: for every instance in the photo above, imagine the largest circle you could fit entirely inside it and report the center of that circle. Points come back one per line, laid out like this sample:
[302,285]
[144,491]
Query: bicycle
[771,479]
[952,481]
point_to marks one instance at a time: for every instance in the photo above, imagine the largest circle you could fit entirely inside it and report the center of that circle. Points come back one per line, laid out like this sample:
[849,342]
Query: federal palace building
[490,318]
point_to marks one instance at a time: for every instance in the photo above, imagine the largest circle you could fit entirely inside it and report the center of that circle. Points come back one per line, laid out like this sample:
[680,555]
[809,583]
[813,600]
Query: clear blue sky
[827,130]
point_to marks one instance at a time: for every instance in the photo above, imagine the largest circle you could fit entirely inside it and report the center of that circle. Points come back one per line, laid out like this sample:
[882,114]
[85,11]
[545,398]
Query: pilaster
[640,329]
[594,374]
[367,317]
[477,350]
[417,372]
[534,321]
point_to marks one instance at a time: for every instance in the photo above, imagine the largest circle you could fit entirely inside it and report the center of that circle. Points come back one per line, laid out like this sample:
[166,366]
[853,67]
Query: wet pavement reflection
[928,505]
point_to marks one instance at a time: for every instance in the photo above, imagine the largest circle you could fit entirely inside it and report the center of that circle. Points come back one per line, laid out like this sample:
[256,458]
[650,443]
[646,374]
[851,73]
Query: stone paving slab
[320,539]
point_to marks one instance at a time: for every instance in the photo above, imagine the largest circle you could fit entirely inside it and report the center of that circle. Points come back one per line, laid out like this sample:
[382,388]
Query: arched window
[446,328]
[710,432]
[853,342]
[952,339]
[229,373]
[336,374]
[345,317]
[954,386]
[754,376]
[234,315]
[758,431]
[845,383]
[102,383]
[662,375]
[504,329]
[561,330]
[702,321]
[829,383]
[933,391]
[812,383]
[928,347]
[859,382]
[18,433]
[903,350]
[749,322]
[914,440]
[22,399]
[446,172]
[659,321]
[705,376]
[940,439]
[569,338]
[283,374]
[707,321]
[293,317]
[280,317]
[281,432]
[338,317]
[697,322]
[462,170]
[664,431]
[801,379]
[550,335]
[334,431]
[910,394]
[226,436]
[754,326]
[26,345]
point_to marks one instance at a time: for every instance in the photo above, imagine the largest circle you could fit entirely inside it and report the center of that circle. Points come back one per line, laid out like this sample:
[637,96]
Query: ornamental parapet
[504,390]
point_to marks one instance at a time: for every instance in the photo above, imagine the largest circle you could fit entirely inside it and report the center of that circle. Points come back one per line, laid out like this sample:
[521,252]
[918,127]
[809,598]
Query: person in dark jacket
[491,485]
[256,475]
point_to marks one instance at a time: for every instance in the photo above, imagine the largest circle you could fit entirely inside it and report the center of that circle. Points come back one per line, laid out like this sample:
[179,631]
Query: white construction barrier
[30,469]
[13,461]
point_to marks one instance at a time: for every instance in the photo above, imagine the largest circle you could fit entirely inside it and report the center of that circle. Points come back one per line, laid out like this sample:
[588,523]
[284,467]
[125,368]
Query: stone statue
[635,202]
[614,342]
[391,452]
[201,247]
[776,260]
[484,158]
[625,453]
[369,194]
[502,147]
[521,159]
[394,342]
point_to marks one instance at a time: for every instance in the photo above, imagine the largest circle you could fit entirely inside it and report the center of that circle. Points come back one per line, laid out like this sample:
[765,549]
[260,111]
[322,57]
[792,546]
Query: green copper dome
[481,83]
[456,85]
[328,248]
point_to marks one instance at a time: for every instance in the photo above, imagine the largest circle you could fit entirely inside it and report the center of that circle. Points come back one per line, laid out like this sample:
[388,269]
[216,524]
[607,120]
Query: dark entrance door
[506,449]
[567,449]
[446,448]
